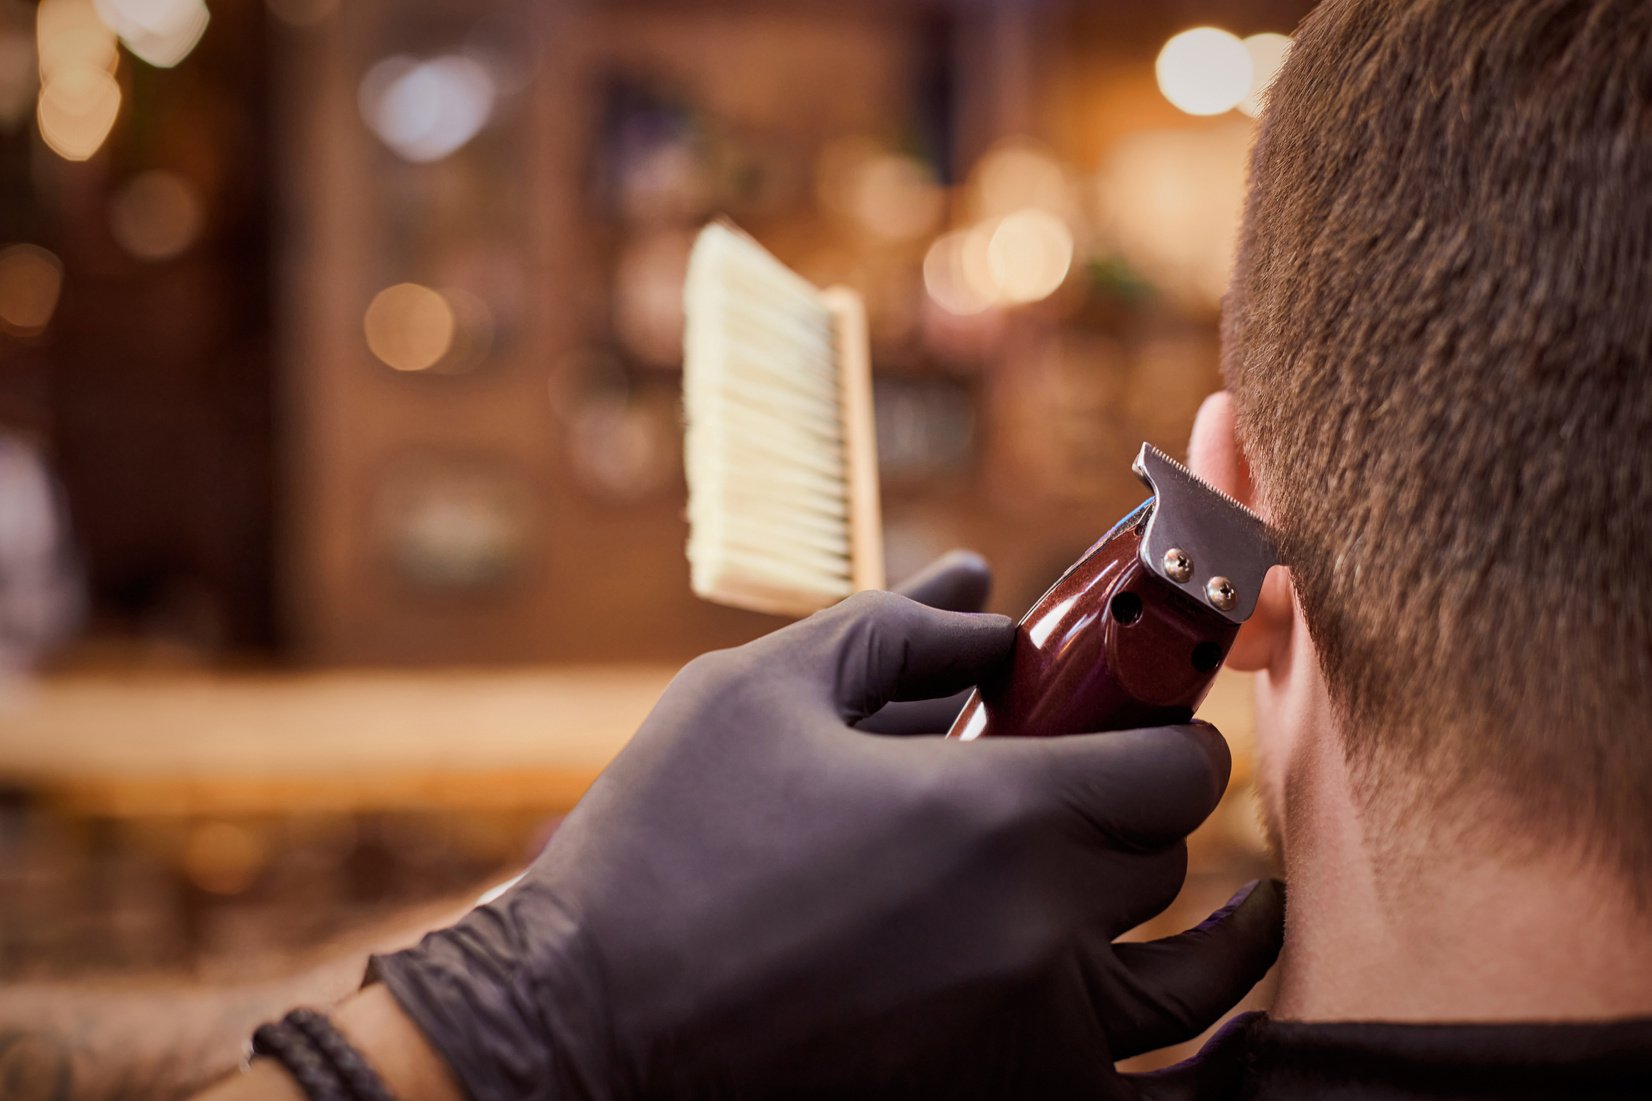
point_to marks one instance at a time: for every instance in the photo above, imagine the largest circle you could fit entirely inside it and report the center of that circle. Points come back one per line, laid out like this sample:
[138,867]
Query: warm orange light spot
[77,108]
[409,327]
[31,279]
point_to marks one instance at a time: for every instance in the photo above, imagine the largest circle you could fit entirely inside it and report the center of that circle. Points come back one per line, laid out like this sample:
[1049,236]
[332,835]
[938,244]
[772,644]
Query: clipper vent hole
[1206,656]
[1126,608]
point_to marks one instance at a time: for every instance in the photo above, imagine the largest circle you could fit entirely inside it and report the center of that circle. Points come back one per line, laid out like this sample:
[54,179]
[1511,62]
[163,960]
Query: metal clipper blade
[1202,541]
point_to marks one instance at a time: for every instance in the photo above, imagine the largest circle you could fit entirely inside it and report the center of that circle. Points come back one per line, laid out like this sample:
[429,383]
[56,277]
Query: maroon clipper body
[1133,633]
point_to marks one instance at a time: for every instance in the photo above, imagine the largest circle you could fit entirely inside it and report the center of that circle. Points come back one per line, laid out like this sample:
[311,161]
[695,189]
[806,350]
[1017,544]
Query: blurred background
[341,499]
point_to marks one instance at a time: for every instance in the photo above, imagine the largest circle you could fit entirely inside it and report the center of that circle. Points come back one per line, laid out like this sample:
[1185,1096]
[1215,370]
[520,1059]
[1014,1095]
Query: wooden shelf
[350,742]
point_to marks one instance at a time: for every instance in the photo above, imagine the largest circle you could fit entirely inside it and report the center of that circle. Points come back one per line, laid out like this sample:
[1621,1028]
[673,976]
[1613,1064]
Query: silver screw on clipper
[1221,593]
[1177,565]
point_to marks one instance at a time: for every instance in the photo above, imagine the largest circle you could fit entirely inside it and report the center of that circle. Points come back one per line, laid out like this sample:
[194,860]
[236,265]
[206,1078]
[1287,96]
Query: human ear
[1214,454]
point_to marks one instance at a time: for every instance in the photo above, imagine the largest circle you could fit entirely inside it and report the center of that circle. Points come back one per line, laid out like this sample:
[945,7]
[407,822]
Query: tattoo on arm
[84,1043]
[33,1067]
[167,1041]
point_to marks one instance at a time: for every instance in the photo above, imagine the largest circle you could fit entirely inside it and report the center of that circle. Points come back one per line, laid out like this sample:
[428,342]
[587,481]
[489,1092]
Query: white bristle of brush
[780,455]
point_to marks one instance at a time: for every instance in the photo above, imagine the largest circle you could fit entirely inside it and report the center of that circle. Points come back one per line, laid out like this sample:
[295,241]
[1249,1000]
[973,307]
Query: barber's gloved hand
[757,899]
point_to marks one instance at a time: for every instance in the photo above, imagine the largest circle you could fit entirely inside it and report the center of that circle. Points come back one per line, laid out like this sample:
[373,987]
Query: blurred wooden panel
[248,745]
[190,745]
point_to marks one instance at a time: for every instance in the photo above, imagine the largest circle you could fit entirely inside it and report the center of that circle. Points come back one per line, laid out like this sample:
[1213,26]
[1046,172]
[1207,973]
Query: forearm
[137,1041]
[154,1043]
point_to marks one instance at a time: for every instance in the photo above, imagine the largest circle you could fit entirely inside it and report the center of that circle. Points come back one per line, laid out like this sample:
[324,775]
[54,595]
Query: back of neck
[1461,936]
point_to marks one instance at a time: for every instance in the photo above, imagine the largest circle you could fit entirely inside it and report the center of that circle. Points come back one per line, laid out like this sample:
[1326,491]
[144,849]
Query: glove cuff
[482,1013]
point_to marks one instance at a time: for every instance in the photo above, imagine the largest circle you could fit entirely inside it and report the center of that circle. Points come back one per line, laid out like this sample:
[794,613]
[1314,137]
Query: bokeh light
[1267,54]
[893,196]
[156,215]
[426,110]
[223,857]
[1204,71]
[1029,255]
[958,273]
[31,281]
[409,327]
[79,98]
[161,32]
[69,35]
[1020,174]
[896,197]
[77,109]
[1171,202]
[648,296]
[942,267]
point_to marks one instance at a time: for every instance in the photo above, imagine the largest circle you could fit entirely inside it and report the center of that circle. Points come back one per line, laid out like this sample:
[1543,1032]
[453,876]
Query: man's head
[1439,346]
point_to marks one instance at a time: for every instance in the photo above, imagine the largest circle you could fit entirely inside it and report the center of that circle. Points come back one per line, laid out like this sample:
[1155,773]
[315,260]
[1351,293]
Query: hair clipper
[1133,633]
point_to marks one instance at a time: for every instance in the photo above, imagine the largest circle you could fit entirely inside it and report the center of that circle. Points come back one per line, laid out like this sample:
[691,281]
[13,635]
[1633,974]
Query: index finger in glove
[1141,789]
[878,647]
[958,581]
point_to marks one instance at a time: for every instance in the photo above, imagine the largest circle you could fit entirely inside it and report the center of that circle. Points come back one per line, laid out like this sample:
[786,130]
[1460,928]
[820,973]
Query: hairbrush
[1133,633]
[780,450]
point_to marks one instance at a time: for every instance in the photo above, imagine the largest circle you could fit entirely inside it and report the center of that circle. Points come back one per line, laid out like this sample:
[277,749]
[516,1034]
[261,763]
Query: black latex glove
[758,900]
[958,581]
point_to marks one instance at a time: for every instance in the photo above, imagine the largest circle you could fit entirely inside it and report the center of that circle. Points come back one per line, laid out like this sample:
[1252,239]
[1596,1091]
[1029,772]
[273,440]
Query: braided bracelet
[319,1058]
[352,1067]
[284,1043]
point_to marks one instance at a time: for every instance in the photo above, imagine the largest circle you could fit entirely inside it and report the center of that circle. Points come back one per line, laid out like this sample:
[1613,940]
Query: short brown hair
[1439,338]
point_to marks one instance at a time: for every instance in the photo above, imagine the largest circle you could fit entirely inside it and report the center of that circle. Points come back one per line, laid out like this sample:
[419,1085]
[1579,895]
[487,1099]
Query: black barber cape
[1256,1059]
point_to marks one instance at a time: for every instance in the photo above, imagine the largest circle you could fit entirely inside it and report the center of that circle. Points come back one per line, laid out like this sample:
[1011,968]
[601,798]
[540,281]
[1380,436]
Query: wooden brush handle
[860,439]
